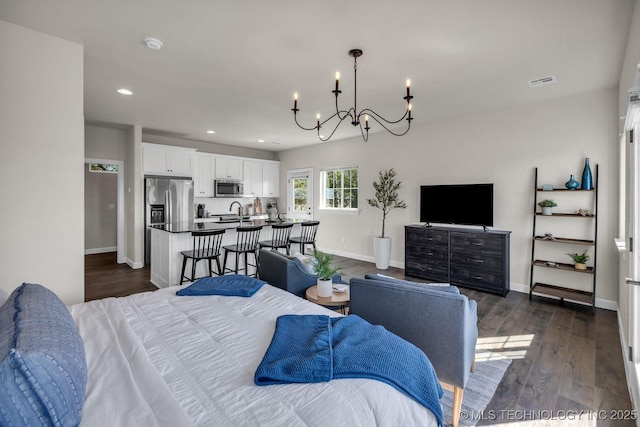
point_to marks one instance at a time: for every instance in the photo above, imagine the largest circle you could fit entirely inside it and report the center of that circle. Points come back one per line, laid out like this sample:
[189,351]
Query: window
[103,167]
[339,188]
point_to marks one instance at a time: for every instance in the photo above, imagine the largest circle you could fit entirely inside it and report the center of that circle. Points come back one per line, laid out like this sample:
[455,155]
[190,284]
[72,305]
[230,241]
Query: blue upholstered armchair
[287,272]
[438,320]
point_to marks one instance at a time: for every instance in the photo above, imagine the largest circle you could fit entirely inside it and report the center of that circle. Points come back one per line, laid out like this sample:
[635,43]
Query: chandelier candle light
[353,113]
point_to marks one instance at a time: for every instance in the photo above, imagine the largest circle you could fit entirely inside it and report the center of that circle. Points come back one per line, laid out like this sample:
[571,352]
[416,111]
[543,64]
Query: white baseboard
[134,265]
[630,370]
[360,257]
[100,250]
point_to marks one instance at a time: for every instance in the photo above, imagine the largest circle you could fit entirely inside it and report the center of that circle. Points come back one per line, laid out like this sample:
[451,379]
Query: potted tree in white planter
[386,198]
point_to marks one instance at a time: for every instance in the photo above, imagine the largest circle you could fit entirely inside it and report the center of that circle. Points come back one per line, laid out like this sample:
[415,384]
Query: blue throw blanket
[229,285]
[316,348]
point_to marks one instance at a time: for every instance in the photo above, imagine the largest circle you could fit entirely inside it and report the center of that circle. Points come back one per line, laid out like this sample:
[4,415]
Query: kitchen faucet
[239,207]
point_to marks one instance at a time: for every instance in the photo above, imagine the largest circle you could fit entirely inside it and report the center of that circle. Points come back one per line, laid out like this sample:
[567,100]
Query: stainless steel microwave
[228,188]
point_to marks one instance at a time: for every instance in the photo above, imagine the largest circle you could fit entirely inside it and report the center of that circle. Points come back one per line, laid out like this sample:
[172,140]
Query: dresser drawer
[433,271]
[487,244]
[478,279]
[427,237]
[492,263]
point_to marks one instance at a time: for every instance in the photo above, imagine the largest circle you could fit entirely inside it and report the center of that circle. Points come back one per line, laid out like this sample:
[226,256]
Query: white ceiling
[233,66]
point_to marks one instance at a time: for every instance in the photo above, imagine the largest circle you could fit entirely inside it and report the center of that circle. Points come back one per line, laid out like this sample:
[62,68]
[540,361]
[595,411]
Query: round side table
[337,299]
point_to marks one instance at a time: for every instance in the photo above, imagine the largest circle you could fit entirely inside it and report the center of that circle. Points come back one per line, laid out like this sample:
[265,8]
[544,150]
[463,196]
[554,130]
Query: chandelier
[357,117]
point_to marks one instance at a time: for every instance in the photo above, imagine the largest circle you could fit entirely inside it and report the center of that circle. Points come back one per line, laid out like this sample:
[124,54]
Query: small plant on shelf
[546,206]
[580,259]
[547,203]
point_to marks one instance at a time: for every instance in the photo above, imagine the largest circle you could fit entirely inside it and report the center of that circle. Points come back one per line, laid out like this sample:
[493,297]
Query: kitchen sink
[231,217]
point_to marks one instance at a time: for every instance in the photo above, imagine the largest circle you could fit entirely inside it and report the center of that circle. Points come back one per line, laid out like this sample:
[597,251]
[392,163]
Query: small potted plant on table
[580,259]
[546,206]
[325,271]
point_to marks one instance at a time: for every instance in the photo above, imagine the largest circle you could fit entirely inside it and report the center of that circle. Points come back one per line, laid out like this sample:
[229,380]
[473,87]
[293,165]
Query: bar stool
[279,238]
[307,235]
[246,243]
[206,245]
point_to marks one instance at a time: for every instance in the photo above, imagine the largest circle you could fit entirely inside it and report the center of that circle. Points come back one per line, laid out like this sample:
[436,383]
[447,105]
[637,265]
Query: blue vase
[587,179]
[572,184]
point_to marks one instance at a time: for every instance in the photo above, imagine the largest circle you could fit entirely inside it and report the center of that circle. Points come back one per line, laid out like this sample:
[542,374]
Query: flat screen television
[465,204]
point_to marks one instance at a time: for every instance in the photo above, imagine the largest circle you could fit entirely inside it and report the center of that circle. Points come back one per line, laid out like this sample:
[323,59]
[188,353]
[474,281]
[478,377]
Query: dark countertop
[203,226]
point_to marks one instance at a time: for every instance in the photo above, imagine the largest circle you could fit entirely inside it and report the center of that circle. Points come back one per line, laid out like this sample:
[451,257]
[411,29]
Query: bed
[158,359]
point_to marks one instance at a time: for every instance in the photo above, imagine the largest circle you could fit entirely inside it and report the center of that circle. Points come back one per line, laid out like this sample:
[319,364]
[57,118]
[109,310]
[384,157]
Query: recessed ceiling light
[123,91]
[211,131]
[261,140]
[153,43]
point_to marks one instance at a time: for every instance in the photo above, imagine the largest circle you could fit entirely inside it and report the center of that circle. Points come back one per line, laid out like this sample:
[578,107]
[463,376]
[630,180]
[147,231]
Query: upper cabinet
[229,168]
[270,179]
[204,166]
[261,178]
[252,178]
[166,160]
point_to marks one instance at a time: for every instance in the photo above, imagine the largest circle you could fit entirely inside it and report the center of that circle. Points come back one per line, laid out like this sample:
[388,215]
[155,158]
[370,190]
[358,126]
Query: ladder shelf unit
[540,240]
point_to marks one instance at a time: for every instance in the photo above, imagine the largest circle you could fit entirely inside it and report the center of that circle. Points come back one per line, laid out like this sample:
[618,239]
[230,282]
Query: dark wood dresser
[472,258]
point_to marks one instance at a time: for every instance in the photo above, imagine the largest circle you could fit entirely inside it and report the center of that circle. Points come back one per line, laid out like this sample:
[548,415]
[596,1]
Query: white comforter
[156,359]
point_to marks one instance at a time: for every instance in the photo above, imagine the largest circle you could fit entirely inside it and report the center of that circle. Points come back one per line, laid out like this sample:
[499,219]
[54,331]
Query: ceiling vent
[542,81]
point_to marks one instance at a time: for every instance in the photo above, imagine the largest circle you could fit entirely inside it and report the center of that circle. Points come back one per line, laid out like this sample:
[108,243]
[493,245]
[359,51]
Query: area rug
[480,388]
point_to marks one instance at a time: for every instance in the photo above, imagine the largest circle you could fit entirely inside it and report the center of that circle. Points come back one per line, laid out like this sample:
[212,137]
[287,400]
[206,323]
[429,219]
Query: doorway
[119,205]
[300,194]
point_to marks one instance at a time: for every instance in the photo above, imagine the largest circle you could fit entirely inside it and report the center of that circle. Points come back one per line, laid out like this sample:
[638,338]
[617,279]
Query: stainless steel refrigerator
[167,201]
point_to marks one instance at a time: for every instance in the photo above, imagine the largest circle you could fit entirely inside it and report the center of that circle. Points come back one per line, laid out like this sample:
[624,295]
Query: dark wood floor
[567,363]
[103,277]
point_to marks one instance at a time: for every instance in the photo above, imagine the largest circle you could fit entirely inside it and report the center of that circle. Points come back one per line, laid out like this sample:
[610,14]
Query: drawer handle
[477,277]
[477,261]
[477,243]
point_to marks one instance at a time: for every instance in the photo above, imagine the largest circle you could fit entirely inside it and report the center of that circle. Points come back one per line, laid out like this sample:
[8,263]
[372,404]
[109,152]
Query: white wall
[104,142]
[41,175]
[134,198]
[500,146]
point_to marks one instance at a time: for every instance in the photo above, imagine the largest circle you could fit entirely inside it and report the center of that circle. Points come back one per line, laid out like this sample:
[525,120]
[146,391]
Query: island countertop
[217,225]
[167,243]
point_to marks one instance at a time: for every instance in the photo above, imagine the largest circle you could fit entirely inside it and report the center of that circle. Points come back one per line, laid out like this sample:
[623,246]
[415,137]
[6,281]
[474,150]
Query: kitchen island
[168,241]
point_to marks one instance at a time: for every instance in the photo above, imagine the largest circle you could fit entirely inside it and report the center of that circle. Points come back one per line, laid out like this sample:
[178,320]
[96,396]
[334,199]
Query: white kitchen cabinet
[166,160]
[252,178]
[228,168]
[270,179]
[204,166]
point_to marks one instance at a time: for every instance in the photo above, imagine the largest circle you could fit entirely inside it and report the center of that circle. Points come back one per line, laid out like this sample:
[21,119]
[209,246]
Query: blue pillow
[237,285]
[43,369]
[444,287]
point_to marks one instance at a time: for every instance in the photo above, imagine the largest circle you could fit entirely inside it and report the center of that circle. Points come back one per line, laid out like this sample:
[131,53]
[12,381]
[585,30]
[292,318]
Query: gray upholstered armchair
[286,272]
[438,320]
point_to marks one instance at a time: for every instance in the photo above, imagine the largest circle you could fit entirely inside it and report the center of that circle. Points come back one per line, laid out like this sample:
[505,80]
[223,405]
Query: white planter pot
[547,211]
[382,252]
[325,288]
